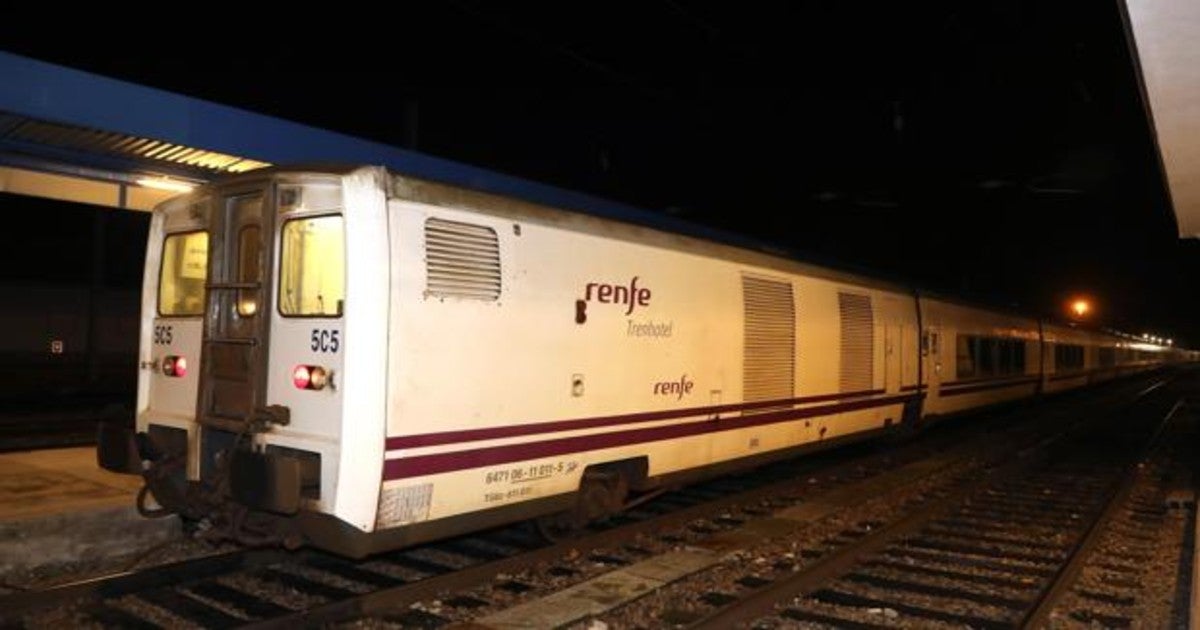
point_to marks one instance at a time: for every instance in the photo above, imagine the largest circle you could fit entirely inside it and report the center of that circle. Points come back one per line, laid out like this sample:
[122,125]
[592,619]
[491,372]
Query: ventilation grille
[461,260]
[858,342]
[769,364]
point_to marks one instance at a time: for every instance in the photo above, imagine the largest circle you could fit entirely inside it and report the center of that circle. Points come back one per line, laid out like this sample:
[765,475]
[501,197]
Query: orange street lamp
[1080,307]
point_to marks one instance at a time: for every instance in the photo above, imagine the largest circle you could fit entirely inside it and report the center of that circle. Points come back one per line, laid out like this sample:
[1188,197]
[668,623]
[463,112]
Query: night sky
[993,150]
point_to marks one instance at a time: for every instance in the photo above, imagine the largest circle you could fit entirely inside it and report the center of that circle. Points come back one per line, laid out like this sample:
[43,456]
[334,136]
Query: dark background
[994,150]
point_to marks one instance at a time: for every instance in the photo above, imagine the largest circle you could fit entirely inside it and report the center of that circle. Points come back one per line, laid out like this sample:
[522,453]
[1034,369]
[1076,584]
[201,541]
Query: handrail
[233,341]
[233,285]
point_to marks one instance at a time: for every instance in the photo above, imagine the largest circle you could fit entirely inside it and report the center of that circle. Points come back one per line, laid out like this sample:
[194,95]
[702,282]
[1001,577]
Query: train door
[233,377]
[908,354]
[891,356]
[931,352]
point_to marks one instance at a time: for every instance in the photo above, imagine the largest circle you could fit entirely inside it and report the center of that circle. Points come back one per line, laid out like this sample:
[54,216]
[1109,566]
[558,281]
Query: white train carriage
[978,357]
[1133,356]
[366,360]
[1071,357]
[599,353]
[384,360]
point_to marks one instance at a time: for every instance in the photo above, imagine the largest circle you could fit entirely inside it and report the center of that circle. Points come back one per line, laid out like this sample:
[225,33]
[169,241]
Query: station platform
[59,509]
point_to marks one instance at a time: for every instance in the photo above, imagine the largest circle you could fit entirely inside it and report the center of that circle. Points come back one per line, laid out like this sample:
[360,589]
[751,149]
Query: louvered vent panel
[858,342]
[461,260]
[769,371]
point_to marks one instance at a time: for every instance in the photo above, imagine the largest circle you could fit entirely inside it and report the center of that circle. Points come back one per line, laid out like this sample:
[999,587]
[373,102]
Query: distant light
[163,183]
[1081,307]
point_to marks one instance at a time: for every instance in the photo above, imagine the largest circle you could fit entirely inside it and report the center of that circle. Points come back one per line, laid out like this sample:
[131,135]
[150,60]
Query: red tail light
[175,366]
[310,377]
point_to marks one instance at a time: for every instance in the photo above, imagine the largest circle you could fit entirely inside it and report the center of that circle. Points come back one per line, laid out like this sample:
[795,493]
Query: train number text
[324,340]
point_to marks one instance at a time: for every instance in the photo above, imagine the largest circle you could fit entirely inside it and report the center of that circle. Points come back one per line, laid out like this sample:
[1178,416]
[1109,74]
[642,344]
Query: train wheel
[602,493]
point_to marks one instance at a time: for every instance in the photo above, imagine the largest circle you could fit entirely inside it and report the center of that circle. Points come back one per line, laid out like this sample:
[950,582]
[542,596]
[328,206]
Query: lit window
[249,269]
[182,275]
[312,271]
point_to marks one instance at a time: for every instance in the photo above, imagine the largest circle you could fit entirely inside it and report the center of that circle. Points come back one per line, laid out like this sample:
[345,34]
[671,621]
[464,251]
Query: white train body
[606,343]
[482,359]
[962,377]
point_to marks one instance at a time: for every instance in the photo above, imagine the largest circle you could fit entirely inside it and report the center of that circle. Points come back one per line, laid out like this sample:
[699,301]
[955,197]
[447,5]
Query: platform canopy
[59,125]
[1165,36]
[73,135]
[76,137]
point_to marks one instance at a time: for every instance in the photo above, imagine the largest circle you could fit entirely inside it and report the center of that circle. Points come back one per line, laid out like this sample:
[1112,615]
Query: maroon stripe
[986,386]
[492,433]
[977,381]
[490,456]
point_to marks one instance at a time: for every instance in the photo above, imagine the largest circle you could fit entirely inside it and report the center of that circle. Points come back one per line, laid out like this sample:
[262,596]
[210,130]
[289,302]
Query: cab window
[312,268]
[182,275]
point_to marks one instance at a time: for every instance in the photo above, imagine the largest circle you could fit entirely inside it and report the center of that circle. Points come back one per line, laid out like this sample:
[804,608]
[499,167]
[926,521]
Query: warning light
[310,377]
[174,366]
[301,377]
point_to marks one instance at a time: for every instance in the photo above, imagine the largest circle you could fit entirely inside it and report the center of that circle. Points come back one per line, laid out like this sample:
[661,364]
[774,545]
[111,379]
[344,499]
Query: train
[360,360]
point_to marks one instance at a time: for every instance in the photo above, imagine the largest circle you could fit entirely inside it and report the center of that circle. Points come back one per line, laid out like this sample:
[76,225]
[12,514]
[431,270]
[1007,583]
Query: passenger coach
[366,360]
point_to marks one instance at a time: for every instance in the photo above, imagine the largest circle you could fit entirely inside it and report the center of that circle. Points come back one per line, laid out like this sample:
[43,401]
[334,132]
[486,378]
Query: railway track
[487,570]
[1003,550]
[221,591]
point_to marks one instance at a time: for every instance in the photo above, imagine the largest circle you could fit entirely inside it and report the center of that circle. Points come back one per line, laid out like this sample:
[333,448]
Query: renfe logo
[675,388]
[632,296]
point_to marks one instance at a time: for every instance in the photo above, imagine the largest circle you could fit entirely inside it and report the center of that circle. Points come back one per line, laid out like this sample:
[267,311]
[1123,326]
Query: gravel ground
[1134,571]
[574,568]
[677,604]
[680,602]
[72,617]
[277,593]
[684,601]
[173,551]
